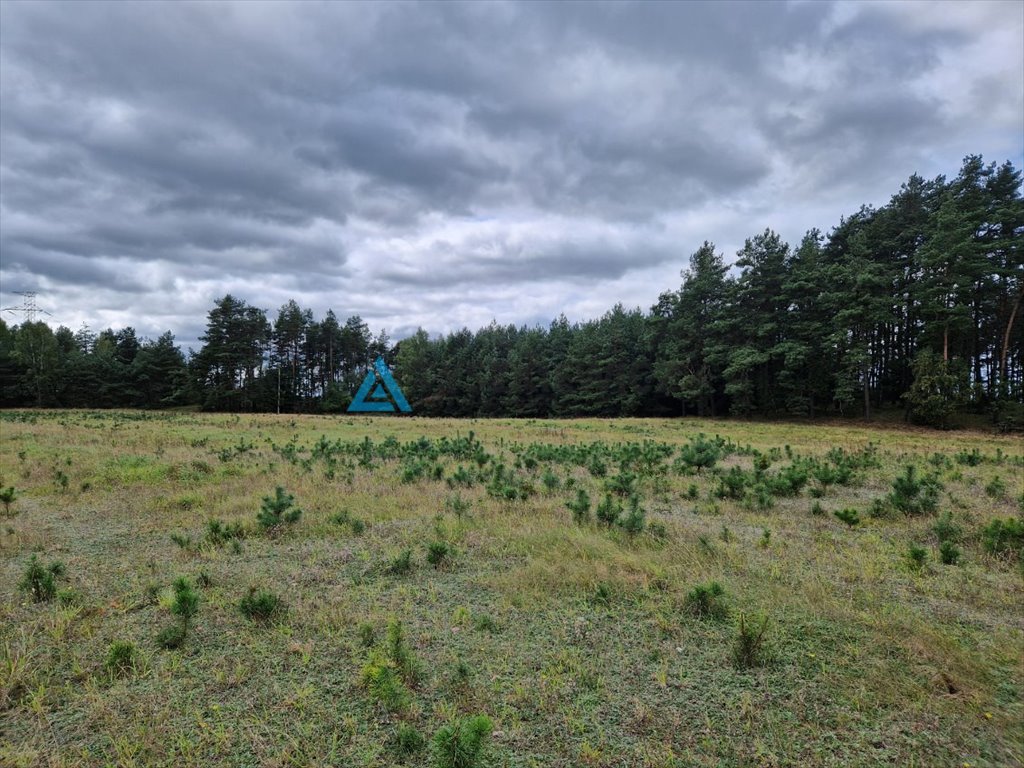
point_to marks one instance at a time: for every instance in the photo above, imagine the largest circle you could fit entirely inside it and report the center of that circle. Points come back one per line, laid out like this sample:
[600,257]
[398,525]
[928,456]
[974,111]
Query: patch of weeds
[461,744]
[766,539]
[849,516]
[183,540]
[41,581]
[341,517]
[357,526]
[122,658]
[749,645]
[725,534]
[203,579]
[278,510]
[817,509]
[707,601]
[580,507]
[261,605]
[439,553]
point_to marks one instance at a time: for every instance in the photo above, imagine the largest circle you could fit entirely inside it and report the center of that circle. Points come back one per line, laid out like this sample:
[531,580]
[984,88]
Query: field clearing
[578,640]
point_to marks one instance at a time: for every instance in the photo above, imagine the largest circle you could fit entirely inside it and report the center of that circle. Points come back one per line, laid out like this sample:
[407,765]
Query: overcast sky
[445,165]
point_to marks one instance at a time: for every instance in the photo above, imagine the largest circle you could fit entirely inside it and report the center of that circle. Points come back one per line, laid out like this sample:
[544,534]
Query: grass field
[584,642]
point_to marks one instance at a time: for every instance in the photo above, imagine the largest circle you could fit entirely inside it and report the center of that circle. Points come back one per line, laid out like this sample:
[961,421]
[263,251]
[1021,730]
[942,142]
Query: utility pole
[28,307]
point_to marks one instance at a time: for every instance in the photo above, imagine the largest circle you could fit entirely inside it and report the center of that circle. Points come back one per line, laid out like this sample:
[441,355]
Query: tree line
[915,304]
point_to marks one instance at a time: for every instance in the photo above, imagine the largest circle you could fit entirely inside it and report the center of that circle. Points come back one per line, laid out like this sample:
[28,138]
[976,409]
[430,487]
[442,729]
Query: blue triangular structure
[371,397]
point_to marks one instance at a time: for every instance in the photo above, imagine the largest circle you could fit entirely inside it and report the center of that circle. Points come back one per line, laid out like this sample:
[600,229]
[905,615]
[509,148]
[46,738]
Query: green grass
[583,641]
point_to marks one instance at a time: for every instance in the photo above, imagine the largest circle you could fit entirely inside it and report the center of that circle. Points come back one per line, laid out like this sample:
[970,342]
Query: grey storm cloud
[447,164]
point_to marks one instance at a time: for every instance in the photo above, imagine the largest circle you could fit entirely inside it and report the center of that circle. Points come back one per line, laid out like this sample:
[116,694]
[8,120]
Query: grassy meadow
[602,593]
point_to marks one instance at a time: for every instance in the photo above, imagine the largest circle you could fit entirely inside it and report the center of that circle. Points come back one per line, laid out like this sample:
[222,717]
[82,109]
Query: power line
[28,307]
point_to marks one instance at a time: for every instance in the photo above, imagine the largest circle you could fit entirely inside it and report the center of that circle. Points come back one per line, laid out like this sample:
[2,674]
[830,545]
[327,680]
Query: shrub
[700,453]
[913,494]
[278,510]
[634,521]
[848,516]
[945,529]
[707,601]
[186,600]
[367,636]
[357,526]
[341,518]
[438,553]
[1004,536]
[949,553]
[261,605]
[402,564]
[400,655]
[608,511]
[172,636]
[7,497]
[733,484]
[461,744]
[817,509]
[219,533]
[121,658]
[457,505]
[409,741]
[622,484]
[766,539]
[41,582]
[380,678]
[580,507]
[917,556]
[996,489]
[748,649]
[550,481]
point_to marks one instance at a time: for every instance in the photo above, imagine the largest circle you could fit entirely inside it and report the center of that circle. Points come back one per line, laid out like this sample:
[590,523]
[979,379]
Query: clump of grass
[439,553]
[725,534]
[183,540]
[261,605]
[817,509]
[41,581]
[766,538]
[357,526]
[602,594]
[949,553]
[341,518]
[749,645]
[278,510]
[461,744]
[122,658]
[580,507]
[707,601]
[7,498]
[849,516]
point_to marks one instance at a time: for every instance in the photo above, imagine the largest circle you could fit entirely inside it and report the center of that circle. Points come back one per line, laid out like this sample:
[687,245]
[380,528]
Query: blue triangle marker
[368,398]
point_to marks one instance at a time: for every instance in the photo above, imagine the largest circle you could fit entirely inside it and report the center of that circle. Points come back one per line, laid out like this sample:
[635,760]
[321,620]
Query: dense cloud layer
[442,165]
